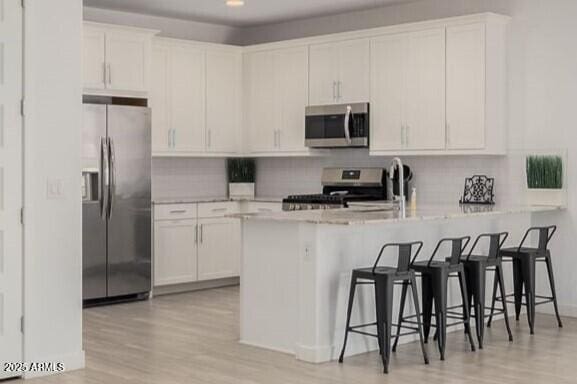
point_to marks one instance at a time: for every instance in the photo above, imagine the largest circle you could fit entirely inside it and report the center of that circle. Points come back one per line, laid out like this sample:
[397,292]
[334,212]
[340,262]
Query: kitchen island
[296,266]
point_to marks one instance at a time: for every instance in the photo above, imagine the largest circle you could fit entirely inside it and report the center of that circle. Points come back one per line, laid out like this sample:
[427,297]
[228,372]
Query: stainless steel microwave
[333,126]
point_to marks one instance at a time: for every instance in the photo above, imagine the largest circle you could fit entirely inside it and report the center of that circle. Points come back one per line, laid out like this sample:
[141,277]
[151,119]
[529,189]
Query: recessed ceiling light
[235,3]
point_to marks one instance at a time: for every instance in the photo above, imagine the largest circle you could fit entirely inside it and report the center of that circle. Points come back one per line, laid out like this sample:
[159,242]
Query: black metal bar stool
[476,267]
[524,264]
[384,278]
[435,278]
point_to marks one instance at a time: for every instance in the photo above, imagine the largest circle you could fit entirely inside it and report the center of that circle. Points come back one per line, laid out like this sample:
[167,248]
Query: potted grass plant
[241,178]
[545,180]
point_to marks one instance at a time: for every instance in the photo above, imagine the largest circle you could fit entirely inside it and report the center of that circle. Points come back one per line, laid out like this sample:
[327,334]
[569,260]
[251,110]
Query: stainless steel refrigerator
[116,197]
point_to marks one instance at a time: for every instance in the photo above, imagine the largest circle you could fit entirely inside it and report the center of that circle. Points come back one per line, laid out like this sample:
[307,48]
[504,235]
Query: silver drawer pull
[219,209]
[265,210]
[178,211]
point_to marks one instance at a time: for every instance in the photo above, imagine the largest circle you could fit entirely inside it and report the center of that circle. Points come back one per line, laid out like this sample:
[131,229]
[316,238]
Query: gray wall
[378,17]
[179,29]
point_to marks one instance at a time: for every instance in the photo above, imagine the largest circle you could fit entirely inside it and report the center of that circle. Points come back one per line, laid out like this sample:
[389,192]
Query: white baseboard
[71,362]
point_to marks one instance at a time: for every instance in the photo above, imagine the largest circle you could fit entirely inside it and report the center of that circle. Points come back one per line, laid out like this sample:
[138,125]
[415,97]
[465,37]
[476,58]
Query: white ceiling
[254,12]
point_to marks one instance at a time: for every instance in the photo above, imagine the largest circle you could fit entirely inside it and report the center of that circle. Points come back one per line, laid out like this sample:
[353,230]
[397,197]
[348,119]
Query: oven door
[345,125]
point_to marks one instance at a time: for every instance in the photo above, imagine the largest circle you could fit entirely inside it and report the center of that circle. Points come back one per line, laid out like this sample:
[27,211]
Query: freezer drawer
[93,252]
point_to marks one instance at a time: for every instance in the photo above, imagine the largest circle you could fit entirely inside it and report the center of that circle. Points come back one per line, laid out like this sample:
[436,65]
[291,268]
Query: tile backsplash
[438,179]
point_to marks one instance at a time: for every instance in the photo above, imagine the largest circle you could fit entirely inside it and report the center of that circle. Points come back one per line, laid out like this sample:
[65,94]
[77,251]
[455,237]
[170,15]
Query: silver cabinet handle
[196,234]
[174,138]
[209,138]
[178,211]
[104,73]
[407,127]
[334,90]
[448,135]
[109,74]
[201,233]
[339,90]
[219,209]
[278,137]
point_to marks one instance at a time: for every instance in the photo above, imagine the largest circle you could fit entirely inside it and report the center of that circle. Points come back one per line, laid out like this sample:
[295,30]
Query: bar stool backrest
[496,241]
[404,256]
[545,235]
[458,245]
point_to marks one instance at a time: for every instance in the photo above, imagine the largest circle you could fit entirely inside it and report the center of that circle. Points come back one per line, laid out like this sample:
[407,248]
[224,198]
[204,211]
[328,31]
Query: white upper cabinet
[440,90]
[408,91]
[291,67]
[159,99]
[195,99]
[388,92]
[116,60]
[187,98]
[223,100]
[339,72]
[276,94]
[425,95]
[260,101]
[94,59]
[466,86]
[127,56]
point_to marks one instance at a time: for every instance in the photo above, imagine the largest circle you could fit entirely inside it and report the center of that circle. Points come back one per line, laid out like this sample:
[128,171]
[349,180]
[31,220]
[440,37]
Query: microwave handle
[346,127]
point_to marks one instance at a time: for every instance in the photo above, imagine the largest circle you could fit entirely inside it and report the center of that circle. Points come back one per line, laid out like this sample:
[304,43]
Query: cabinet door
[260,101]
[187,98]
[159,99]
[466,87]
[175,252]
[353,60]
[323,74]
[93,60]
[388,91]
[425,118]
[223,112]
[219,248]
[126,56]
[291,73]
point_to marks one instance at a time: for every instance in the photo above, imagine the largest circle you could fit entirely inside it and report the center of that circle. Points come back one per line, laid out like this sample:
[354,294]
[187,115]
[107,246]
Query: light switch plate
[55,189]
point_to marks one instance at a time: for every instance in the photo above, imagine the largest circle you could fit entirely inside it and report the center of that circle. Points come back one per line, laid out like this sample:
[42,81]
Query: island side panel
[269,284]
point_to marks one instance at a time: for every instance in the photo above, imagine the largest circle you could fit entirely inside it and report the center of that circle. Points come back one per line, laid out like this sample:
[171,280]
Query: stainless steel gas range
[342,186]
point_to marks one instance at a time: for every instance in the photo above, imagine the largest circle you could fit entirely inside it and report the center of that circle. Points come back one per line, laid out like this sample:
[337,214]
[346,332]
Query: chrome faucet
[397,163]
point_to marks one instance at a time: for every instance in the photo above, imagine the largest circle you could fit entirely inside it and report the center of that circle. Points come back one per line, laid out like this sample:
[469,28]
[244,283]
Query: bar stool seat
[384,278]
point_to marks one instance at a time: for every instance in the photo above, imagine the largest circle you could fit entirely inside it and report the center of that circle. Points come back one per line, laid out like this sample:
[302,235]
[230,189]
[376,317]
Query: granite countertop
[379,213]
[211,199]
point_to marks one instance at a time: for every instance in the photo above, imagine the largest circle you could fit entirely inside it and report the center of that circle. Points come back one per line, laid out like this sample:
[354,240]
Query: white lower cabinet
[175,253]
[194,242]
[218,248]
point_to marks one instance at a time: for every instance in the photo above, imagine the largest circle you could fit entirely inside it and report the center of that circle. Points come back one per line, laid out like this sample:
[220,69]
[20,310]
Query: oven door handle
[346,127]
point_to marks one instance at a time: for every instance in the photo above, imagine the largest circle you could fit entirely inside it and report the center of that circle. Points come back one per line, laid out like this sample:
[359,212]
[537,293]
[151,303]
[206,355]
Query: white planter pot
[241,191]
[557,197]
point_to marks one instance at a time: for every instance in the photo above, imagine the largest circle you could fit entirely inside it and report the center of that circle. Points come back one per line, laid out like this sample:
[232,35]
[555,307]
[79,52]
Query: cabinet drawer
[262,207]
[174,211]
[218,209]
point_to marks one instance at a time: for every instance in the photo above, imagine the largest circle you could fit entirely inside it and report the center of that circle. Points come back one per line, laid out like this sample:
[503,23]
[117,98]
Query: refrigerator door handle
[104,178]
[112,176]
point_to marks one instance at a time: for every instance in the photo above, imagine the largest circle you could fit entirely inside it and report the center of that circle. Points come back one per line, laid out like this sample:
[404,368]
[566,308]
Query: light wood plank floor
[192,338]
